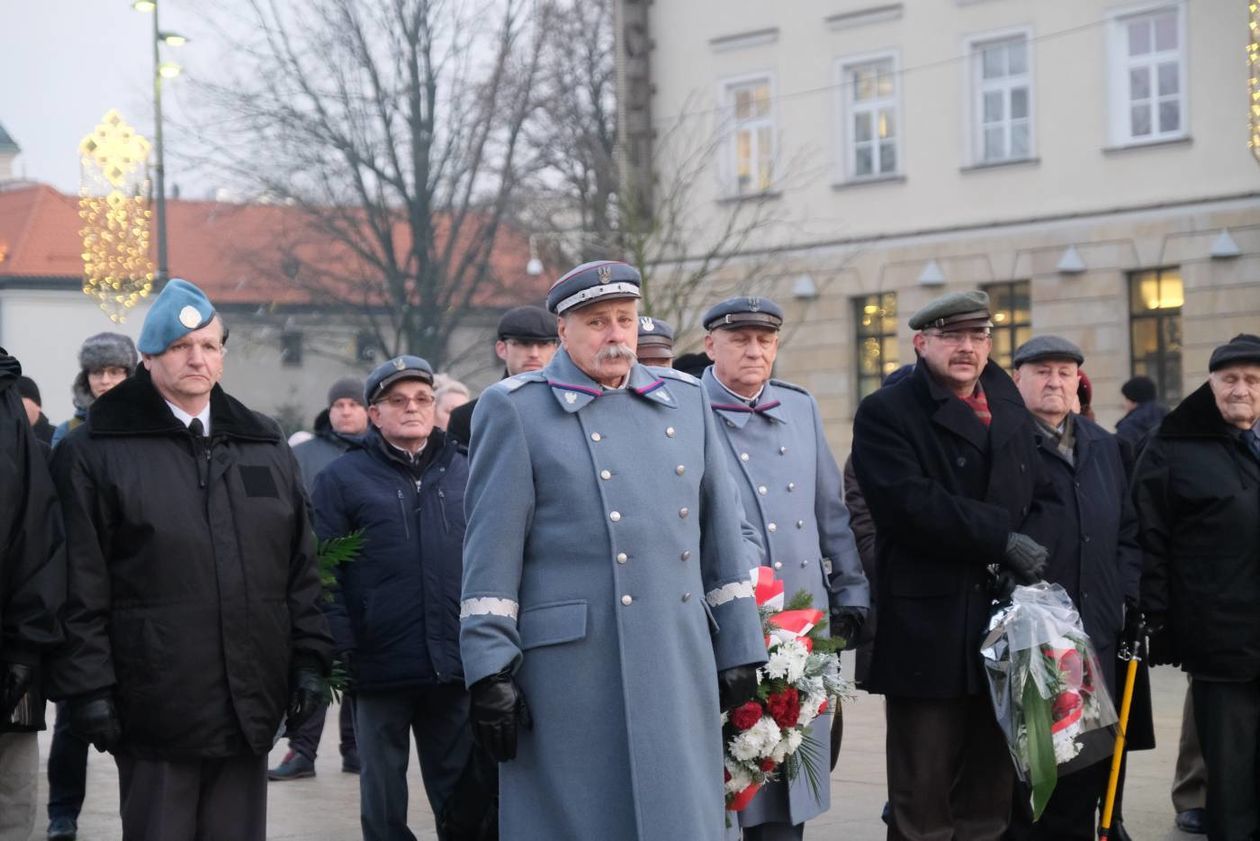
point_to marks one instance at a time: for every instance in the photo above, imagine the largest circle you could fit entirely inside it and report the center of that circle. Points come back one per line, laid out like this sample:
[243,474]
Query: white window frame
[846,142]
[977,86]
[1119,64]
[729,165]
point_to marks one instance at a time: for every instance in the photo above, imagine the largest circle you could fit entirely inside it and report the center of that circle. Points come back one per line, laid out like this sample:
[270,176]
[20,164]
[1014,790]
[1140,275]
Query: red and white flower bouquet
[800,681]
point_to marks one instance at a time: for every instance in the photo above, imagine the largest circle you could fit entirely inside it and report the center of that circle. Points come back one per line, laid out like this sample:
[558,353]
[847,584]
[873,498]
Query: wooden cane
[1117,757]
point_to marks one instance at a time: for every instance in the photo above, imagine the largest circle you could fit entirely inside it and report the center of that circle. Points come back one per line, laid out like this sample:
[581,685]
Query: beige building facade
[1086,163]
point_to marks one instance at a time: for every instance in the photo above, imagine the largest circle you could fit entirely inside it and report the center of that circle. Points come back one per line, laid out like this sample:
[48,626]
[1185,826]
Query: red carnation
[768,764]
[822,708]
[726,776]
[785,707]
[745,716]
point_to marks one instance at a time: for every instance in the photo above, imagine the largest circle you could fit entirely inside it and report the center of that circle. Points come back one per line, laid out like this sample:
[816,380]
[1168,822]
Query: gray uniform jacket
[793,494]
[603,561]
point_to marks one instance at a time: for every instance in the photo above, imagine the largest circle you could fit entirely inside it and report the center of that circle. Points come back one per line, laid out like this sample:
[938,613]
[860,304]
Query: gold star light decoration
[114,209]
[1253,74]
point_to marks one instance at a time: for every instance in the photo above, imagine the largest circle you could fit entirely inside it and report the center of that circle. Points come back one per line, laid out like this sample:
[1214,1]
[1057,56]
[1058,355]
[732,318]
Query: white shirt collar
[752,401]
[185,418]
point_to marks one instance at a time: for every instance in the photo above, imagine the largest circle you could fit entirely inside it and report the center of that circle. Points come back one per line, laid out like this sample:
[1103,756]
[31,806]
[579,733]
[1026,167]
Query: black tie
[1253,441]
[197,429]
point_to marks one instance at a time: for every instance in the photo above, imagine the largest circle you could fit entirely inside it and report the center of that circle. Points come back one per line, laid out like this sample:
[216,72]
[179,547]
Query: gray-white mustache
[614,352]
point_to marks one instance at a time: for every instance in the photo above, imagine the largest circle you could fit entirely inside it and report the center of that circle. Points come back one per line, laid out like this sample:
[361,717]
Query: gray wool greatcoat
[793,495]
[604,564]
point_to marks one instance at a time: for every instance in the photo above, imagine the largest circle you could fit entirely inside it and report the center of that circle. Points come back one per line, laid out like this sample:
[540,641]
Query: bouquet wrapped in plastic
[1047,688]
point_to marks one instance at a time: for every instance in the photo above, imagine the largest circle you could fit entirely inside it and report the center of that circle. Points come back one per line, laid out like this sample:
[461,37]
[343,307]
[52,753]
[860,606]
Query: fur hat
[108,350]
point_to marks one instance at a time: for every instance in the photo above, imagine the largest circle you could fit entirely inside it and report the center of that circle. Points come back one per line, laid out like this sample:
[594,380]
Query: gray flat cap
[1047,347]
[954,311]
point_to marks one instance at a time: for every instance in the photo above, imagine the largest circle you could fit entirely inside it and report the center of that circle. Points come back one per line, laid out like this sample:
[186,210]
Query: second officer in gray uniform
[792,493]
[606,586]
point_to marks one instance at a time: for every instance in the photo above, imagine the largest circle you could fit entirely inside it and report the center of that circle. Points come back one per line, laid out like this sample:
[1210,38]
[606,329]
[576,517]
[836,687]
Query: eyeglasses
[957,337]
[401,402]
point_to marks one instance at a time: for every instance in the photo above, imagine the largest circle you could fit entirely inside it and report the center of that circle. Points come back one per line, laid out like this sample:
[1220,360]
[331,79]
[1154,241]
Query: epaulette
[512,383]
[786,384]
[675,374]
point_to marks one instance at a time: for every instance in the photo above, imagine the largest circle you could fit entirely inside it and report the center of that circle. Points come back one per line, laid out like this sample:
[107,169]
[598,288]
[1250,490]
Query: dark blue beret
[180,309]
[1046,347]
[398,368]
[595,281]
[744,311]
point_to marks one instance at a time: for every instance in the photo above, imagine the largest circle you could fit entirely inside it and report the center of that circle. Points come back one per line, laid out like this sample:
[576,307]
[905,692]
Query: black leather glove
[1025,557]
[308,692]
[1161,647]
[498,711]
[736,686]
[1133,637]
[94,718]
[846,626]
[15,679]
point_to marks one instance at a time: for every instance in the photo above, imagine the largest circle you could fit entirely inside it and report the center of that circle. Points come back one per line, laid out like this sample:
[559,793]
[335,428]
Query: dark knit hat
[27,388]
[346,388]
[108,350]
[1243,348]
[1139,390]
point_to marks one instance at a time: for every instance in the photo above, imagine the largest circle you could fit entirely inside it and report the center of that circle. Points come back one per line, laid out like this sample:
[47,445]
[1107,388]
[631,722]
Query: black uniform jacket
[1197,491]
[945,492]
[192,581]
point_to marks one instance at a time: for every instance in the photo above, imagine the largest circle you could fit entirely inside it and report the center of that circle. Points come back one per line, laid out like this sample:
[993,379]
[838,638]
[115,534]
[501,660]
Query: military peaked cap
[590,282]
[744,311]
[655,333]
[398,368]
[955,311]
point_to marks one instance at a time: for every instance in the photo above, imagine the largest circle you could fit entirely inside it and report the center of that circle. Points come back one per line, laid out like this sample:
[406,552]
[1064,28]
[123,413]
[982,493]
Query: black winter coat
[322,450]
[192,582]
[32,551]
[396,608]
[1133,428]
[1197,491]
[944,493]
[1094,550]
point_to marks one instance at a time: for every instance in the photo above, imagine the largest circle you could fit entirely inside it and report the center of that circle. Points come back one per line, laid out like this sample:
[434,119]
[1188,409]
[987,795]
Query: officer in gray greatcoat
[607,612]
[792,493]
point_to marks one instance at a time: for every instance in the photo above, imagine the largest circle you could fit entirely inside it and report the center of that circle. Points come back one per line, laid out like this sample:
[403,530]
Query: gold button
[743,456]
[615,516]
[621,557]
[686,597]
[762,490]
[595,436]
[669,432]
[772,528]
[680,470]
[626,600]
[683,512]
[686,555]
[605,474]
[778,564]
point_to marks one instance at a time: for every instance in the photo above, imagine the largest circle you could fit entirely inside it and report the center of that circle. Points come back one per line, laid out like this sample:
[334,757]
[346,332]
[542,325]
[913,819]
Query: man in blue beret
[192,616]
[946,460]
[793,495]
[603,555]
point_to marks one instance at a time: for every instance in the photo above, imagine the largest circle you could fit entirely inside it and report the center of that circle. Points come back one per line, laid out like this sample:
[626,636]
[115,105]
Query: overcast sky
[64,63]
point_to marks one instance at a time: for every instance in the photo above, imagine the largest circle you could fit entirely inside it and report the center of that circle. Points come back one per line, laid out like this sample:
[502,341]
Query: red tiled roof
[235,252]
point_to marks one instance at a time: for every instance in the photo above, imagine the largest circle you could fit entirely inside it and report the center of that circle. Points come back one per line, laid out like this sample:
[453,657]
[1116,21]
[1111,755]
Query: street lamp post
[161,70]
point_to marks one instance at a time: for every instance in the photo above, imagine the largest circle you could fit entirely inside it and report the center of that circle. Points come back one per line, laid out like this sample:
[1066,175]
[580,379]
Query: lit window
[872,124]
[1003,100]
[1011,306]
[1155,301]
[877,355]
[751,149]
[1148,76]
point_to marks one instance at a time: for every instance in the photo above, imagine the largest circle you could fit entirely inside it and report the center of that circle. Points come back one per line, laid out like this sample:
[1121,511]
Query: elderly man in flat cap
[656,342]
[948,464]
[1096,558]
[607,596]
[192,614]
[1197,490]
[526,341]
[792,492]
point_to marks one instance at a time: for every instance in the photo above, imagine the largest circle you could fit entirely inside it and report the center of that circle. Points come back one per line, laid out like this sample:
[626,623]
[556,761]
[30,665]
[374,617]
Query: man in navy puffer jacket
[395,617]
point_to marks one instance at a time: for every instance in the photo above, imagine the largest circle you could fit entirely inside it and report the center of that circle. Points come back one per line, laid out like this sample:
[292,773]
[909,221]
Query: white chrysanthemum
[787,661]
[757,741]
[740,779]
